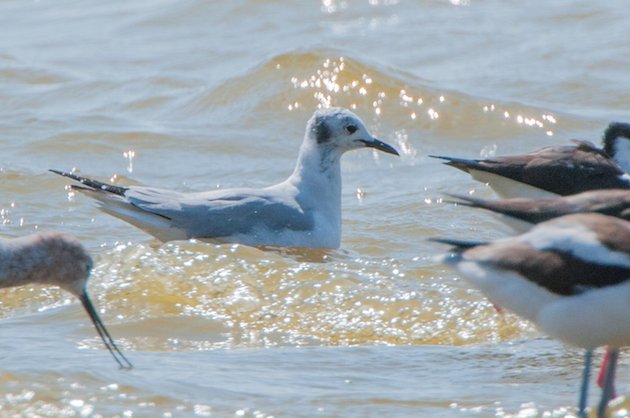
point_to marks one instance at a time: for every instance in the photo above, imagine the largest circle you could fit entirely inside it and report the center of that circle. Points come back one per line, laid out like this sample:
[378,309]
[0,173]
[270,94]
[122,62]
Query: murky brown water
[196,95]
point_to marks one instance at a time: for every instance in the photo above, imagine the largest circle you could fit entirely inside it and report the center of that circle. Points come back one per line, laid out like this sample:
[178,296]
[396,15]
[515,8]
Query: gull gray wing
[220,213]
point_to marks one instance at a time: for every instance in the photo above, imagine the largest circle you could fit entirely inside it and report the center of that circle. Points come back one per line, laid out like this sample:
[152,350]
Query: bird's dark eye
[351,129]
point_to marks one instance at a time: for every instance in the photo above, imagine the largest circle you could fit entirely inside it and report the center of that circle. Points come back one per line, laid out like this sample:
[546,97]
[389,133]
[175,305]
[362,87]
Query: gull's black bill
[379,145]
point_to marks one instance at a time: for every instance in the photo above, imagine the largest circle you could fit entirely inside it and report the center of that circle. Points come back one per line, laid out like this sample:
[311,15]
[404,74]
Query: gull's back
[246,215]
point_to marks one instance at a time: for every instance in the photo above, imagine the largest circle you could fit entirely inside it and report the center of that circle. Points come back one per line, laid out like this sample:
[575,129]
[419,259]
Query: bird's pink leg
[497,307]
[602,374]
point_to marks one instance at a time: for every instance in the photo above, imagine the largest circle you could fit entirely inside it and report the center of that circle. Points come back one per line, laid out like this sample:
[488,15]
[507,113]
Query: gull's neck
[317,180]
[318,172]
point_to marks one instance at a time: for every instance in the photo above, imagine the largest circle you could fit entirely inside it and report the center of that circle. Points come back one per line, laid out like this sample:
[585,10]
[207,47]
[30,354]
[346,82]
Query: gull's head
[340,130]
[617,143]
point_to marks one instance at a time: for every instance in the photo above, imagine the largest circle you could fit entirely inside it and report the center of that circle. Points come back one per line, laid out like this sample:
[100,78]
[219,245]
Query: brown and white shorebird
[54,259]
[556,170]
[570,276]
[522,213]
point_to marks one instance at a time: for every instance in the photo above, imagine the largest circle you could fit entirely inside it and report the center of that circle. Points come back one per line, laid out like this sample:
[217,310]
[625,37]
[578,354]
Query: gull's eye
[351,129]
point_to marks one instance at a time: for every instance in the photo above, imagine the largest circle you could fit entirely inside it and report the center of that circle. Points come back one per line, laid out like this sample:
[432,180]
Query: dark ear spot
[322,131]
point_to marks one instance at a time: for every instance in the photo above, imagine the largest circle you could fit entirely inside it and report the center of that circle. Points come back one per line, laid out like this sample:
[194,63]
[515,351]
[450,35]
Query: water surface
[195,95]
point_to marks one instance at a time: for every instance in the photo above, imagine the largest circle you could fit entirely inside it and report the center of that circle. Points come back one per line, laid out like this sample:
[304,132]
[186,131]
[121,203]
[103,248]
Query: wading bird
[302,211]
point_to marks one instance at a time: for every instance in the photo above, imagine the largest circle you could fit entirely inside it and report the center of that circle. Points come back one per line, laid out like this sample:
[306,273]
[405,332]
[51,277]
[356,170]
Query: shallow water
[195,95]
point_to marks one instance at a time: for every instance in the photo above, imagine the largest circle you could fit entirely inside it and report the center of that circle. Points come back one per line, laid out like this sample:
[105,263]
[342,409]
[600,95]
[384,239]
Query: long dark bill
[102,332]
[379,145]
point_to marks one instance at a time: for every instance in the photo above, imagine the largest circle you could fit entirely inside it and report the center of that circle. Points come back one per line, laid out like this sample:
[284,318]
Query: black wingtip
[459,163]
[457,244]
[440,157]
[91,183]
[464,200]
[456,251]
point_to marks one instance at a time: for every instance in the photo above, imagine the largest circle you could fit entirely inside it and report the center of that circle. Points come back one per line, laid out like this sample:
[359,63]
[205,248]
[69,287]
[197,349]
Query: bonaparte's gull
[569,275]
[54,259]
[302,211]
[556,170]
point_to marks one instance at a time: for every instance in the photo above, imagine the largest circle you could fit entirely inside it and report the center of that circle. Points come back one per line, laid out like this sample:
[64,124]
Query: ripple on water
[211,94]
[192,295]
[398,103]
[189,296]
